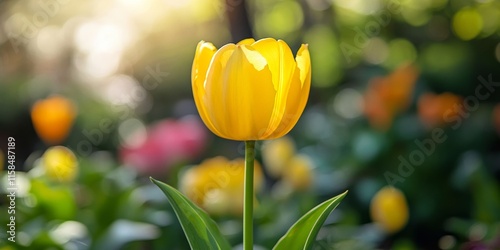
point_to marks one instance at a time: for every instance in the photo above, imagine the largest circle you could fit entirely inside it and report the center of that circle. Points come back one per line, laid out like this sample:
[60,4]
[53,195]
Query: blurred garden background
[404,93]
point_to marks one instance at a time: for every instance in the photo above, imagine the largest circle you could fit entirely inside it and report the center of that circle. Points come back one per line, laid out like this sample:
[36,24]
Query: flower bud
[253,90]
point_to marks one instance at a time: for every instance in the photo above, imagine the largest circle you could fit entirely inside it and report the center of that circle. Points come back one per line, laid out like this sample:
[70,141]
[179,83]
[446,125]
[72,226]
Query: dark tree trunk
[239,24]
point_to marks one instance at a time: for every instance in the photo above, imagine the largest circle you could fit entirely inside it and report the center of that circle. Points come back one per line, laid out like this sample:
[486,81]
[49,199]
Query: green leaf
[46,193]
[303,233]
[201,231]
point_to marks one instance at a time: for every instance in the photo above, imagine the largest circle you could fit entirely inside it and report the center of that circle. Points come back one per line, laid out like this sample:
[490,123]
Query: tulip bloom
[253,90]
[53,118]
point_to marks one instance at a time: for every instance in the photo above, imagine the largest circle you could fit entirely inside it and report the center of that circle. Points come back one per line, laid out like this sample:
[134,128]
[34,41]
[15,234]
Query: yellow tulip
[60,164]
[253,90]
[389,209]
[53,118]
[216,185]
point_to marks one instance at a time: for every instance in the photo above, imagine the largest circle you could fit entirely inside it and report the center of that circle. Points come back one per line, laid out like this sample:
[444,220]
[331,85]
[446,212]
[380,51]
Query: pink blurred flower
[167,142]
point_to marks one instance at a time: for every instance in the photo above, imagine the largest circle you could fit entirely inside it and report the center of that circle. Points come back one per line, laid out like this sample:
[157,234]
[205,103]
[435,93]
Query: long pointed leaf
[201,231]
[303,233]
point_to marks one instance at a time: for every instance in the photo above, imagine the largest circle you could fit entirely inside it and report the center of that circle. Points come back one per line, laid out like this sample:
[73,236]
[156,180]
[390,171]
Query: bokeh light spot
[447,242]
[132,133]
[348,103]
[325,56]
[376,51]
[467,23]
[400,51]
[283,18]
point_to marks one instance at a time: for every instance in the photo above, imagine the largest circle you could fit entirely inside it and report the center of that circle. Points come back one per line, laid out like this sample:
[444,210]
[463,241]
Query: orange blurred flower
[53,118]
[433,108]
[387,96]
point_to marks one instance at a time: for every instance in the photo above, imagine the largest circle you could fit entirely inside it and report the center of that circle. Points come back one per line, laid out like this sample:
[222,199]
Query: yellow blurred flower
[389,209]
[53,118]
[282,161]
[433,109]
[216,185]
[60,164]
[387,96]
[299,173]
[253,90]
[276,154]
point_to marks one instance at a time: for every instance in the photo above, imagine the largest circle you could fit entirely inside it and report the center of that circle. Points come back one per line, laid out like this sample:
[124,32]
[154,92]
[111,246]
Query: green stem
[248,196]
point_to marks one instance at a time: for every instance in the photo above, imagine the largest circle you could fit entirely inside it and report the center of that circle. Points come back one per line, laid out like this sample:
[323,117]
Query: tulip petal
[304,64]
[279,57]
[249,95]
[298,94]
[215,90]
[204,54]
[282,66]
